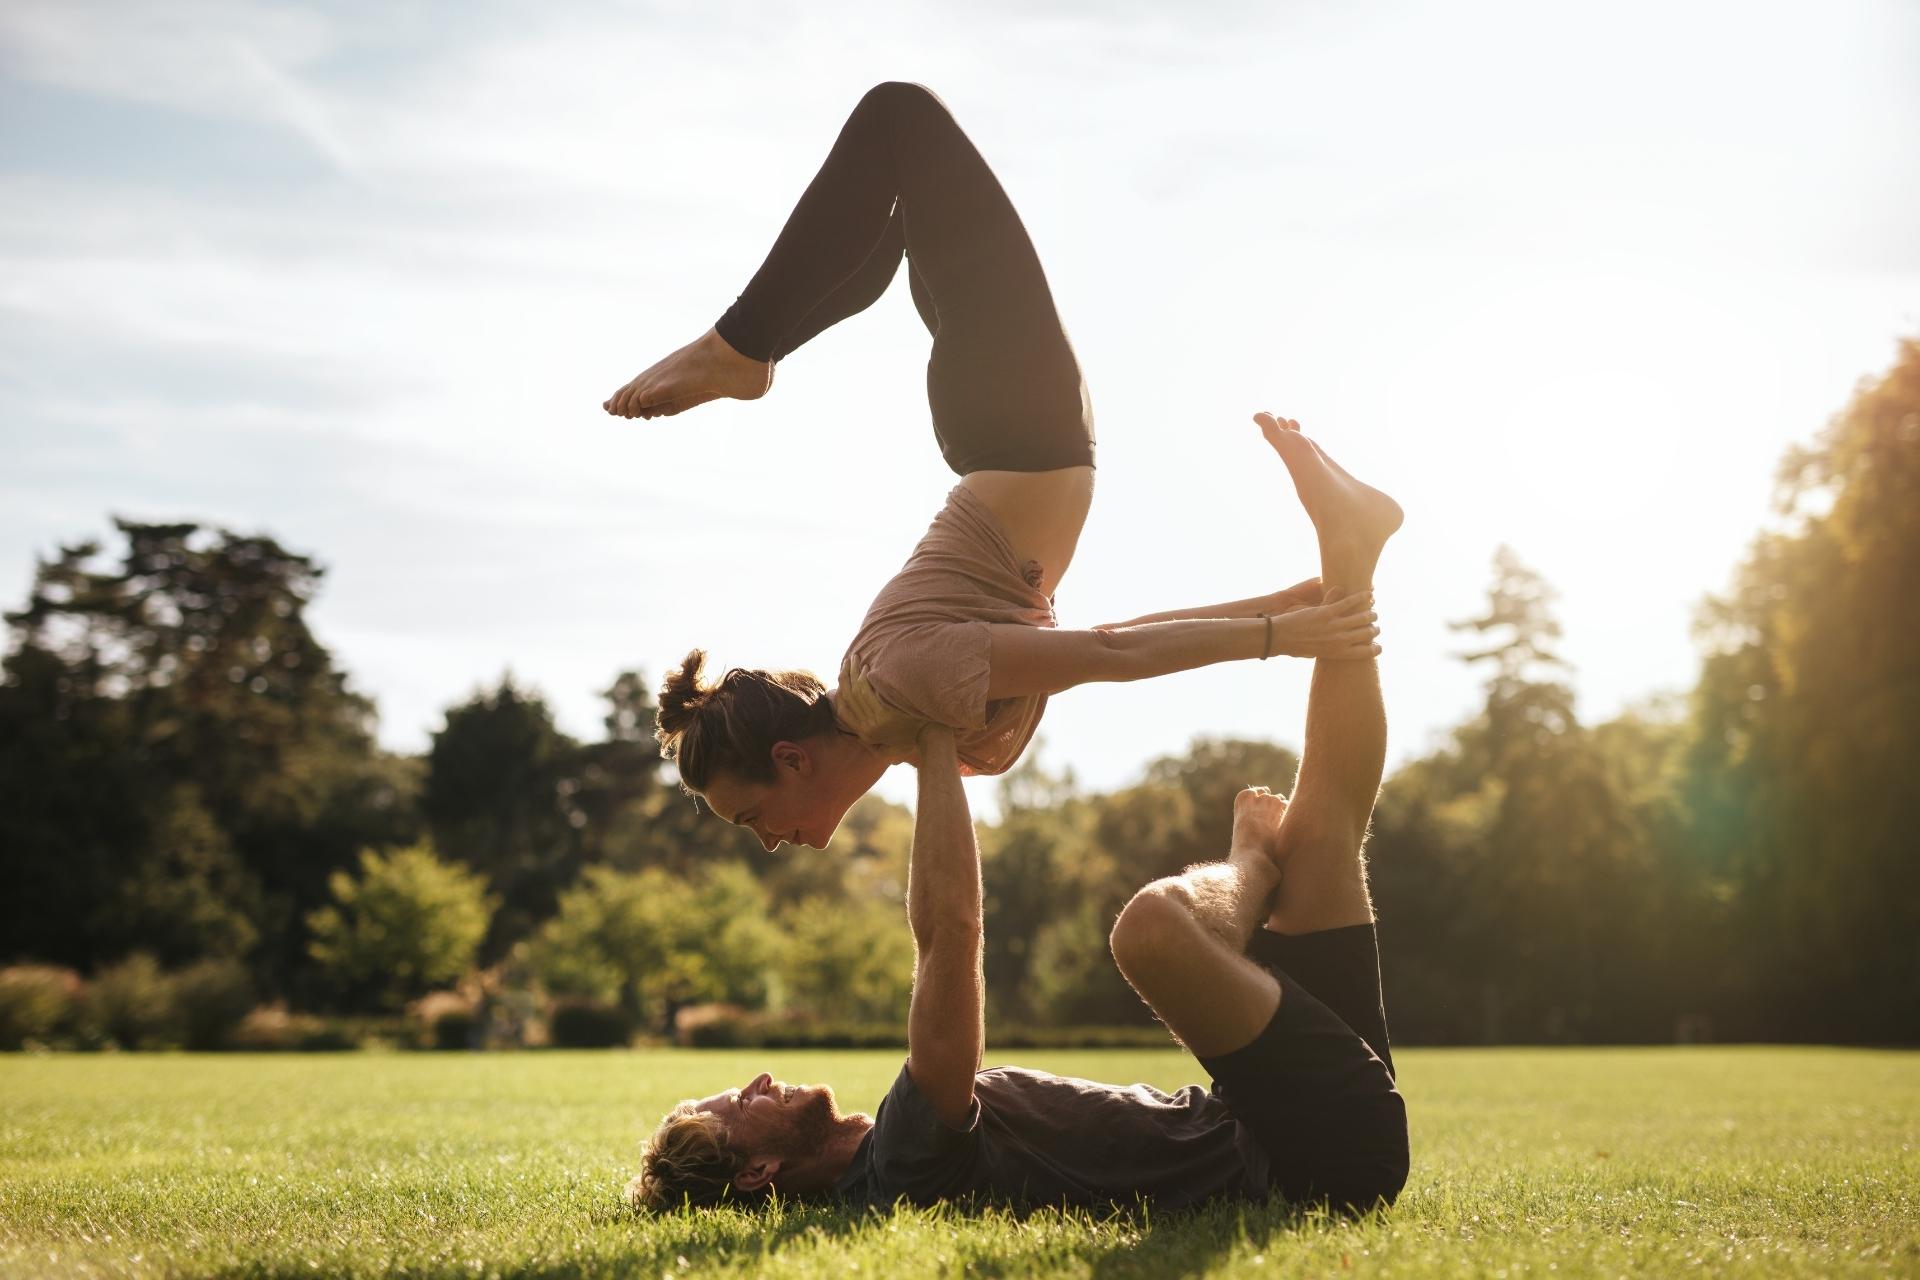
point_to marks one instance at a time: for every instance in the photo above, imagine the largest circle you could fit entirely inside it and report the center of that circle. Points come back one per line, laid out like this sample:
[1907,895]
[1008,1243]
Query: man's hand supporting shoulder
[946,1024]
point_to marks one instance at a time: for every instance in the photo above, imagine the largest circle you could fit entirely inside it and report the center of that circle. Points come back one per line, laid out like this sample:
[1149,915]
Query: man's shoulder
[910,1152]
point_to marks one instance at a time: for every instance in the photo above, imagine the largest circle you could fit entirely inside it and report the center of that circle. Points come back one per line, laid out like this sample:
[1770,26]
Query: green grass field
[1571,1162]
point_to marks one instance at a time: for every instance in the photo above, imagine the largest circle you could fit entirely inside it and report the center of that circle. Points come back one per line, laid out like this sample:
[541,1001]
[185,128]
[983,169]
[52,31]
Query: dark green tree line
[187,776]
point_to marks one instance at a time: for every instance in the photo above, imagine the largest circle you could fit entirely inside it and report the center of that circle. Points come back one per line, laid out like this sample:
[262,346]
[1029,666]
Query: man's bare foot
[1354,519]
[705,369]
[1256,822]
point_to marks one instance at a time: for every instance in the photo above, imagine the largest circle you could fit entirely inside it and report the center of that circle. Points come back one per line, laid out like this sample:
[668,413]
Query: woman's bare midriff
[1042,513]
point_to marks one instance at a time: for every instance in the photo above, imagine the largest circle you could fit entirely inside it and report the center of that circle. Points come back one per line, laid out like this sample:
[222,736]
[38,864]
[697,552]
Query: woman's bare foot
[705,369]
[1354,519]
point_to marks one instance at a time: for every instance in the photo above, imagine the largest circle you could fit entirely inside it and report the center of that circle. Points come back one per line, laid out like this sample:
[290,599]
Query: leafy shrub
[718,1026]
[846,963]
[454,1029]
[405,923]
[265,1029]
[807,1034]
[210,999]
[270,1028]
[323,1035]
[650,939]
[35,1001]
[444,1020]
[132,1004]
[579,1023]
[1149,1036]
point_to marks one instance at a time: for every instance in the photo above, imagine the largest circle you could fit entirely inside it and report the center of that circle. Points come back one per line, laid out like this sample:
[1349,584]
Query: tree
[1023,861]
[407,923]
[499,790]
[1807,729]
[1516,867]
[1210,774]
[654,941]
[846,962]
[178,755]
[613,786]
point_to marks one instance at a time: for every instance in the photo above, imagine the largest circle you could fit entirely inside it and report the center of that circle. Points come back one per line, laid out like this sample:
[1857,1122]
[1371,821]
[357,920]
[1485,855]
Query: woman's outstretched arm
[1046,660]
[1297,596]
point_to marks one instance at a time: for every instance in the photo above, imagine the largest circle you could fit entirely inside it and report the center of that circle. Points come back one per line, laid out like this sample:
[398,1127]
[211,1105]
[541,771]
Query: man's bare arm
[946,1023]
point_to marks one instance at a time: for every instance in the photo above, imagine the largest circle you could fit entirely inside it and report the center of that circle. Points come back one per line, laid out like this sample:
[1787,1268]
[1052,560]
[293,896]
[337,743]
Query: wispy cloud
[218,58]
[294,105]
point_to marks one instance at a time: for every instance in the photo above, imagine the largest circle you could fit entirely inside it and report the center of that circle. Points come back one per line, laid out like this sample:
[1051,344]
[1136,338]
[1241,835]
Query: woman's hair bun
[681,697]
[732,724]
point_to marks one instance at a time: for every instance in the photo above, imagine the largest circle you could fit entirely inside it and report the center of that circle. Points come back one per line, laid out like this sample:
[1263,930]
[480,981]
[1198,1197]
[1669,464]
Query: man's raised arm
[946,1024]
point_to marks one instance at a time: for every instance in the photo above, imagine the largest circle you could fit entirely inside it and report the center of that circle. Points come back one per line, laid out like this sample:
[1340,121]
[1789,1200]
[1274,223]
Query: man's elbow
[945,927]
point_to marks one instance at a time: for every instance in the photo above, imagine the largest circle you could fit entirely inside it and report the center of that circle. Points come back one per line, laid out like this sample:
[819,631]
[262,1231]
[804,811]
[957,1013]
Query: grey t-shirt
[1034,1138]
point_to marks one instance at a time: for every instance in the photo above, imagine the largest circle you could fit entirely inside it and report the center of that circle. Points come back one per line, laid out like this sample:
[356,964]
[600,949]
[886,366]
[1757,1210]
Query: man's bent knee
[1155,921]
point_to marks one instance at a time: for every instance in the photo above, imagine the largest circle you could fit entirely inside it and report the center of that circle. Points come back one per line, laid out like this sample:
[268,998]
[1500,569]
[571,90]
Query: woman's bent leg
[861,289]
[1003,383]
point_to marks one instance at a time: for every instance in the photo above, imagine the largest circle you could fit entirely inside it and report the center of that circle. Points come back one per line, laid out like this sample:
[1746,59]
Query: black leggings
[1003,383]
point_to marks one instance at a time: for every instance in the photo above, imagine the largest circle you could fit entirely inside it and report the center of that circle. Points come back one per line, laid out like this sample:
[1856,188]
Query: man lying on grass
[1264,965]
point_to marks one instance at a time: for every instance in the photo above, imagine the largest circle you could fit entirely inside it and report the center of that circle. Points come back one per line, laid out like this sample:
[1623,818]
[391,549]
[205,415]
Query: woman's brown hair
[731,726]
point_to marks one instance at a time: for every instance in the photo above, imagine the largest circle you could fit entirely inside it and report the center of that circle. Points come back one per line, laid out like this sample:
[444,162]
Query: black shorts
[1316,1087]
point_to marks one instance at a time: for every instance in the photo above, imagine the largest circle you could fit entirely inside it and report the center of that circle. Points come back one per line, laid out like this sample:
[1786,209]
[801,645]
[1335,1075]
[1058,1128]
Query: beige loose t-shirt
[923,653]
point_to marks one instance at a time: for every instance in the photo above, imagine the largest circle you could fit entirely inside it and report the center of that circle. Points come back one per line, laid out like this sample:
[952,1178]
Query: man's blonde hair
[686,1161]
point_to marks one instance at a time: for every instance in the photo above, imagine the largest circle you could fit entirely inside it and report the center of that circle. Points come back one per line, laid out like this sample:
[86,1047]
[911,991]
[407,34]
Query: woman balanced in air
[965,634]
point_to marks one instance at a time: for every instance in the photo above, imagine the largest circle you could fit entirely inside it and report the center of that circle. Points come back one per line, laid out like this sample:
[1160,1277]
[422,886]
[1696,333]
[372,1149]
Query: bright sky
[1567,277]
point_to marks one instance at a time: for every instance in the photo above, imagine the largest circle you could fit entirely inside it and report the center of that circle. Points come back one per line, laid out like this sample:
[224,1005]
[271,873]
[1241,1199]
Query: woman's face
[802,805]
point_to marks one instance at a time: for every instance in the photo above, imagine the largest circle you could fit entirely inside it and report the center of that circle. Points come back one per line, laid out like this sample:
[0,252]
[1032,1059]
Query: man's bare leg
[1324,882]
[1181,940]
[1353,520]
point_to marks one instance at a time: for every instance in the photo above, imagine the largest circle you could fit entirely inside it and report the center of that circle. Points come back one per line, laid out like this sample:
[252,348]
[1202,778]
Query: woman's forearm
[1251,607]
[1140,651]
[1299,595]
[1043,660]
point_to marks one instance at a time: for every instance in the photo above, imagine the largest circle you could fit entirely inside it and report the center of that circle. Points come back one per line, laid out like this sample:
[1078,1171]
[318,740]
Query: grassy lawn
[1605,1162]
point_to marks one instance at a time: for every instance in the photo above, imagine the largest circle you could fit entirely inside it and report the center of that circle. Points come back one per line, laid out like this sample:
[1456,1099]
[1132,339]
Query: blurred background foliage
[203,843]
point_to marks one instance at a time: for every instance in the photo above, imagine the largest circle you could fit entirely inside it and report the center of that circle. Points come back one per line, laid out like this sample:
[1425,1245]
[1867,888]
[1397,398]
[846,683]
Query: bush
[210,999]
[1149,1036]
[266,1029]
[271,1029]
[847,963]
[408,922]
[718,1026]
[453,1029]
[131,1004]
[807,1034]
[327,1035]
[650,939]
[36,1000]
[579,1023]
[444,1020]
